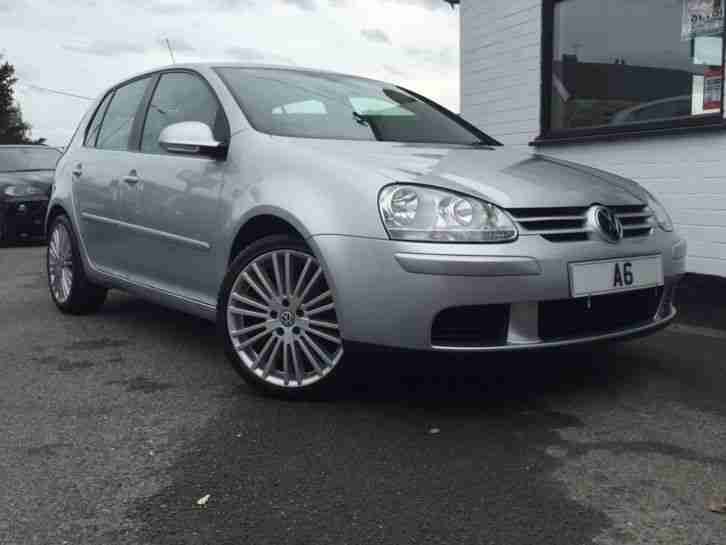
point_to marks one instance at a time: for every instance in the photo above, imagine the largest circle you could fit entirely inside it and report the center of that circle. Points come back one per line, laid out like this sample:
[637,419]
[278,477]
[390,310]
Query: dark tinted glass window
[119,119]
[181,97]
[302,104]
[619,62]
[95,125]
[17,159]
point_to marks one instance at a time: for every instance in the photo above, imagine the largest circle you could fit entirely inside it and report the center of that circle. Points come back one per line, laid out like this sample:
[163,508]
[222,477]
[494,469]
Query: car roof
[199,66]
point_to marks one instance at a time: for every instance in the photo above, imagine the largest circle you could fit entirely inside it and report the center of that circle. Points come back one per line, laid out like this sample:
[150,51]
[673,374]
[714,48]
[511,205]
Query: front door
[173,206]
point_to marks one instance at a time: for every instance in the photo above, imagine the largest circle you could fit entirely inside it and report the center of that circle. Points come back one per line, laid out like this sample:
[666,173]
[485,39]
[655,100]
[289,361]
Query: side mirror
[191,137]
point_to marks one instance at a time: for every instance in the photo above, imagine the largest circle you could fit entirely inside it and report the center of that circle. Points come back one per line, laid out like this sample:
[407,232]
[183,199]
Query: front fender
[313,192]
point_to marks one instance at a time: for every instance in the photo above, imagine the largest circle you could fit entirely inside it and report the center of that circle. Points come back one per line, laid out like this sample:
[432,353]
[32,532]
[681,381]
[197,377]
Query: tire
[276,317]
[5,238]
[69,287]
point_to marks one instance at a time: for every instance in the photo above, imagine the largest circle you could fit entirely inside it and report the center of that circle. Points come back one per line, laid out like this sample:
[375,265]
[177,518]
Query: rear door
[100,169]
[174,206]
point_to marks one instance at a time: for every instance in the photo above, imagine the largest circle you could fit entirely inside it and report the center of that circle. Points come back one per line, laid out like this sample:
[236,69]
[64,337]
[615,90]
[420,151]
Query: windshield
[19,159]
[310,105]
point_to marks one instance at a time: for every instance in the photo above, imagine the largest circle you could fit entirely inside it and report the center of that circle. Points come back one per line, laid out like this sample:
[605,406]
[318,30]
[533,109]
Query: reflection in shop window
[621,62]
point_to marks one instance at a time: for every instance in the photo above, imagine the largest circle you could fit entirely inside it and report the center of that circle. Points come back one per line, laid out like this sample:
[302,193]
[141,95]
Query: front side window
[28,159]
[118,122]
[618,63]
[314,105]
[179,97]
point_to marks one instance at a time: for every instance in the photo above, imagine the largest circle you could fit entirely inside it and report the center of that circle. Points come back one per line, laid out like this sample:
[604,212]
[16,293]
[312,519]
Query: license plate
[615,275]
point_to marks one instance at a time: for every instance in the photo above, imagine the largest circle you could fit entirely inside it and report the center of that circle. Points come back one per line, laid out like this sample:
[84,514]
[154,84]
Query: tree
[13,130]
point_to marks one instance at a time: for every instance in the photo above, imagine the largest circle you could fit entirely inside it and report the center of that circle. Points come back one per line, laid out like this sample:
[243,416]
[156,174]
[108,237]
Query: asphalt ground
[114,426]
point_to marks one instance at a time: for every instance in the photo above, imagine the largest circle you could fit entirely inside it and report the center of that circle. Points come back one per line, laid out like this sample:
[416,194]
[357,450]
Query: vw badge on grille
[605,223]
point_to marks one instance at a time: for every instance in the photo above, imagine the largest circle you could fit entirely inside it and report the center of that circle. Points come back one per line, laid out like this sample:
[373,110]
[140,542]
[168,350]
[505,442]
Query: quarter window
[118,122]
[619,64]
[181,97]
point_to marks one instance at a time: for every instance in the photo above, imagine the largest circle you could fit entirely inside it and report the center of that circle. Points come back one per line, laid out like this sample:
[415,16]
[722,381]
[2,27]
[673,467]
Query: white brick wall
[500,93]
[500,63]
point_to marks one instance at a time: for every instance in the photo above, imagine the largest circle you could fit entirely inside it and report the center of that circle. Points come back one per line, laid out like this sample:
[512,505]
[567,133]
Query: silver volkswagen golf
[311,213]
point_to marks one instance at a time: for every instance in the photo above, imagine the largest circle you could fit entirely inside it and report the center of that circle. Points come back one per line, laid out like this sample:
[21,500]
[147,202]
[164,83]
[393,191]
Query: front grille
[569,224]
[582,317]
[482,325]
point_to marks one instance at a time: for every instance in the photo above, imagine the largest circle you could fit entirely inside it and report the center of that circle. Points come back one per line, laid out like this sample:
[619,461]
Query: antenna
[171,53]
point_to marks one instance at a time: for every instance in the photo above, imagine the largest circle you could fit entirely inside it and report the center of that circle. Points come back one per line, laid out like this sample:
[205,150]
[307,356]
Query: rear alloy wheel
[70,289]
[279,318]
[60,263]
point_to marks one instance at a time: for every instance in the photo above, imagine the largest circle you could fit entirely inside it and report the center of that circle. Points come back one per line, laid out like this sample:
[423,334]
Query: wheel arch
[53,212]
[264,223]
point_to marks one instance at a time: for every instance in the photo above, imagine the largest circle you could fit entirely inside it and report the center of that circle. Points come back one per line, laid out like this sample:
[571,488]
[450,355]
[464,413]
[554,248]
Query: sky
[83,46]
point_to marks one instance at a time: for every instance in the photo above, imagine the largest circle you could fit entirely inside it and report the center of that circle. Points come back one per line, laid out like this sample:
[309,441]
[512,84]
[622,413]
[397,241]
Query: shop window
[617,65]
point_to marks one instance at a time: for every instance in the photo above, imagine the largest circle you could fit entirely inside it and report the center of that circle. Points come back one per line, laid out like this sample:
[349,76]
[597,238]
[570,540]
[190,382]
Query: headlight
[22,190]
[419,213]
[661,214]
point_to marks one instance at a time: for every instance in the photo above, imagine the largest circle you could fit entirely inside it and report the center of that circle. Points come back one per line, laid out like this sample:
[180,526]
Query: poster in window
[701,18]
[712,82]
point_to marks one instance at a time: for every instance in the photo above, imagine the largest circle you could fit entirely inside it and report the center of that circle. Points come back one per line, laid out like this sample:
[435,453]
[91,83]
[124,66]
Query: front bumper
[23,219]
[390,293]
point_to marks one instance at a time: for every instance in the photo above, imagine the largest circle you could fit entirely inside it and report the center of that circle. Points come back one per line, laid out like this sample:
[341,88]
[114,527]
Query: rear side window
[92,134]
[181,96]
[119,119]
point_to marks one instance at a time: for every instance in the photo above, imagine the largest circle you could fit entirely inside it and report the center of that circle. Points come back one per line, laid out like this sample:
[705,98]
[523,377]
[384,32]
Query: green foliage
[13,130]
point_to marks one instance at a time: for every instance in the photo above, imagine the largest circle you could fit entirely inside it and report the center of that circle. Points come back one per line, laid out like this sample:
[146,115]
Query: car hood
[507,177]
[42,179]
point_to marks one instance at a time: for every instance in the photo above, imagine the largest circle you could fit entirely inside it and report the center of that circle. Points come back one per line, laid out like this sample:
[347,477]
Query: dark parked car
[26,178]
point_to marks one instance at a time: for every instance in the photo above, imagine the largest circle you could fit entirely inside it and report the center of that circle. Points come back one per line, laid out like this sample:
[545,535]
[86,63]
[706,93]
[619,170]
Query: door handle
[77,171]
[132,178]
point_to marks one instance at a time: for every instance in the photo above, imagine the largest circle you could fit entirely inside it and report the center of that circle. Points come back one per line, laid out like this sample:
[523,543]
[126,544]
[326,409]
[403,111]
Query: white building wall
[500,93]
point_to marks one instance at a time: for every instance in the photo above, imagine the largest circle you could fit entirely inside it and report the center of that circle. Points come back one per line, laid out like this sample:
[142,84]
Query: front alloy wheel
[280,317]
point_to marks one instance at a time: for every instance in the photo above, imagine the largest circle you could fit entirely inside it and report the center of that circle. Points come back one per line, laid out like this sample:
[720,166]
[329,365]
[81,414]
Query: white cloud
[395,72]
[427,4]
[178,45]
[375,35]
[105,48]
[10,5]
[250,54]
[444,57]
[306,5]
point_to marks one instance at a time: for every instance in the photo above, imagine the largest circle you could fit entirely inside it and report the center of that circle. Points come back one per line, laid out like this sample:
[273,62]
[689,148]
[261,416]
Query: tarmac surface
[114,426]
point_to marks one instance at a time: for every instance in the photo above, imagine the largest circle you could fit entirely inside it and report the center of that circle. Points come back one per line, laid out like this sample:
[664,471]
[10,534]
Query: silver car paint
[170,238]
